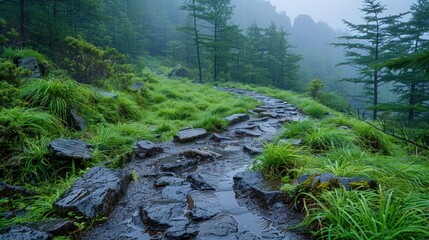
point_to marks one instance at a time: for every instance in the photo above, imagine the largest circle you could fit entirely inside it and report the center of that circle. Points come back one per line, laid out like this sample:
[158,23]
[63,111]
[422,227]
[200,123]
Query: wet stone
[76,121]
[30,63]
[158,216]
[259,110]
[200,155]
[219,226]
[198,182]
[136,86]
[177,193]
[292,141]
[17,232]
[263,119]
[330,178]
[268,198]
[291,109]
[269,114]
[168,181]
[178,165]
[181,230]
[106,94]
[202,205]
[7,190]
[236,118]
[293,113]
[71,149]
[243,181]
[247,133]
[188,135]
[56,227]
[252,150]
[219,138]
[246,235]
[93,195]
[146,149]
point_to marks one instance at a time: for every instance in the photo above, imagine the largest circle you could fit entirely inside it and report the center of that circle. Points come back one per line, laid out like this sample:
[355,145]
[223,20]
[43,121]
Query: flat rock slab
[178,165]
[202,205]
[168,181]
[146,149]
[177,193]
[18,232]
[236,118]
[188,135]
[246,235]
[247,133]
[71,149]
[219,138]
[56,227]
[198,182]
[93,195]
[181,230]
[252,150]
[158,216]
[200,155]
[220,226]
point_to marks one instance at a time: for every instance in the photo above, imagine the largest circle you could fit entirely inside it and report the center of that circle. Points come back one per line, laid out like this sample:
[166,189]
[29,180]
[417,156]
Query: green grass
[341,214]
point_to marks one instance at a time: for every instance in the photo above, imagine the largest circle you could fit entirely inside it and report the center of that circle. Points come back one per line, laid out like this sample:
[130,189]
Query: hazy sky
[333,11]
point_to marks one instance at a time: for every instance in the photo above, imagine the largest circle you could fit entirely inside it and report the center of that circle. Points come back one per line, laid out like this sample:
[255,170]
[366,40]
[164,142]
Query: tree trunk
[22,21]
[197,42]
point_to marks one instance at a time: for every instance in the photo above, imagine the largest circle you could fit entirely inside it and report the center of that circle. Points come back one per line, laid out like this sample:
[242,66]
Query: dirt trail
[205,200]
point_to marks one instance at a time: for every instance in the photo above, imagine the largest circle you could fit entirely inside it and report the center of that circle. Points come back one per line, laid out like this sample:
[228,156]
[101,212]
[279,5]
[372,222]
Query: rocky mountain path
[199,186]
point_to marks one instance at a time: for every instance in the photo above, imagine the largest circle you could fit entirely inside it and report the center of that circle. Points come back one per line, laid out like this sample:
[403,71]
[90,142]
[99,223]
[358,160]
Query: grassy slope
[347,147]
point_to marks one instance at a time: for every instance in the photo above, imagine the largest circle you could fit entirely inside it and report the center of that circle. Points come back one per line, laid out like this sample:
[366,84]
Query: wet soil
[223,213]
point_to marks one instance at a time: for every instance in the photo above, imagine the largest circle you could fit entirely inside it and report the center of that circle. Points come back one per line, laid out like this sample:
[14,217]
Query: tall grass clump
[57,95]
[279,159]
[341,214]
[324,138]
[16,54]
[374,140]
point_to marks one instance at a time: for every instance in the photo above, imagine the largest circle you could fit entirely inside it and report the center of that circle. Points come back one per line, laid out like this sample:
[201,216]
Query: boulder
[190,134]
[71,149]
[30,63]
[7,190]
[198,182]
[93,195]
[146,149]
[236,118]
[18,232]
[315,182]
[179,71]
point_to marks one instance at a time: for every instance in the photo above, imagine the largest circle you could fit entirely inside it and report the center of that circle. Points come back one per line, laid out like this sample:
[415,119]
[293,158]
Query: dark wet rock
[246,235]
[247,133]
[18,232]
[199,183]
[219,226]
[136,86]
[93,195]
[181,230]
[177,193]
[236,118]
[56,227]
[263,119]
[146,149]
[219,138]
[315,182]
[269,114]
[291,109]
[30,63]
[266,128]
[7,190]
[258,188]
[280,111]
[105,93]
[71,149]
[252,150]
[292,141]
[168,181]
[179,71]
[158,216]
[202,205]
[178,165]
[287,120]
[191,134]
[200,155]
[293,113]
[76,121]
[259,110]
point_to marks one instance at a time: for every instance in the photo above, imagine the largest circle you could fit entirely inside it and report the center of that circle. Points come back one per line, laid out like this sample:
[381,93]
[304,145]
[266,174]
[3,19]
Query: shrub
[57,95]
[10,73]
[16,54]
[315,88]
[8,95]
